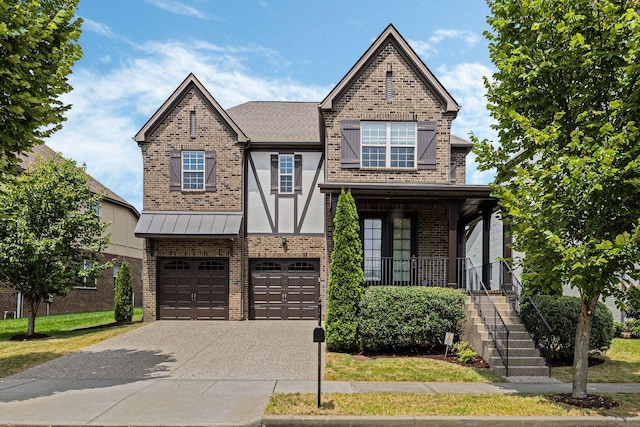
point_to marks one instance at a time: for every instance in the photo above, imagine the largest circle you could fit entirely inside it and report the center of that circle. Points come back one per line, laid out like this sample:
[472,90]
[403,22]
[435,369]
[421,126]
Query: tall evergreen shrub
[123,307]
[346,278]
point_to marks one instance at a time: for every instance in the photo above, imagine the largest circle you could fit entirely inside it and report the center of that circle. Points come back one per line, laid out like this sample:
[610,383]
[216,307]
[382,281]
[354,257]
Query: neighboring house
[93,294]
[499,249]
[238,204]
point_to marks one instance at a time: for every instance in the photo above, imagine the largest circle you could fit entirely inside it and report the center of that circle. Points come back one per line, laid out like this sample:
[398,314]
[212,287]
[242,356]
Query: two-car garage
[198,288]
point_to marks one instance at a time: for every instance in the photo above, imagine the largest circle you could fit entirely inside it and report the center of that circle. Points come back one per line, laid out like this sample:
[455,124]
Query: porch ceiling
[474,198]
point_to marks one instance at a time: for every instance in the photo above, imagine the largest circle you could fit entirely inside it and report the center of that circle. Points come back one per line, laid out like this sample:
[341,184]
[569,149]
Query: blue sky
[136,52]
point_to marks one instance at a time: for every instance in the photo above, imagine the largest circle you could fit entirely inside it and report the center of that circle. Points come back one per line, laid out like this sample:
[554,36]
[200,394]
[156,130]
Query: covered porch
[414,234]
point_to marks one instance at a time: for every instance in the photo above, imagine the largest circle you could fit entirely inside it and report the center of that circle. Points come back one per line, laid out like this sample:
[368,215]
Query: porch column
[507,254]
[453,208]
[486,229]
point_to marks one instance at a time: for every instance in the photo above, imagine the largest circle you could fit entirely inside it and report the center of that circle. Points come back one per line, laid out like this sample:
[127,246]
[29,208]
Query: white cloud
[465,83]
[108,109]
[431,46]
[179,8]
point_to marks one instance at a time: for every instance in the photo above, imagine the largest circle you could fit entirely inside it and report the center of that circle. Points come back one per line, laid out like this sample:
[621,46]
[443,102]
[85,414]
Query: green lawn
[343,367]
[66,335]
[392,404]
[622,365]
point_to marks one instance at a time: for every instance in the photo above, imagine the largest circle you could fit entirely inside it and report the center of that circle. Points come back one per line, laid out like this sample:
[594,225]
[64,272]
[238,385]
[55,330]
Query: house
[92,294]
[238,204]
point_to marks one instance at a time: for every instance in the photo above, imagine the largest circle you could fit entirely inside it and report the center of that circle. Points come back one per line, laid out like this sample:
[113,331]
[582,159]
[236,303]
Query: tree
[565,99]
[38,46]
[346,278]
[123,304]
[49,231]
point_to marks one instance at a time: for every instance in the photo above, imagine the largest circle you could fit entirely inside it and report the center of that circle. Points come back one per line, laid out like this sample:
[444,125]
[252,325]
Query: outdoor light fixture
[284,241]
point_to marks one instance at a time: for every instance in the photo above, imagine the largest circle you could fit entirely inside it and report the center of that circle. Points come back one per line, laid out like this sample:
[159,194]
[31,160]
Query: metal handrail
[477,291]
[517,285]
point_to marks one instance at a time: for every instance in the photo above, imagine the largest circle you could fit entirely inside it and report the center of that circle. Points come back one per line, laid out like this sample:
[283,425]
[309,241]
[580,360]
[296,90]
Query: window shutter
[274,173]
[426,145]
[209,171]
[350,144]
[452,170]
[297,177]
[175,169]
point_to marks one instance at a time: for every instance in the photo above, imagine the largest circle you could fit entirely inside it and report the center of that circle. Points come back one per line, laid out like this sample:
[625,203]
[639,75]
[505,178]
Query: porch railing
[413,271]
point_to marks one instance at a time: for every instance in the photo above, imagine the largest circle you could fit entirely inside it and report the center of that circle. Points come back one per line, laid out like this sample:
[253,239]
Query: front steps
[523,358]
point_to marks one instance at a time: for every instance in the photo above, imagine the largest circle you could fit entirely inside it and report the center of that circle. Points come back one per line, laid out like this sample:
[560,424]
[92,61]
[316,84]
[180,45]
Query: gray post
[319,356]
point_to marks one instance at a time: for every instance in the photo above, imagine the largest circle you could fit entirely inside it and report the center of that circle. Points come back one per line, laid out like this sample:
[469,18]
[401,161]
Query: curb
[448,421]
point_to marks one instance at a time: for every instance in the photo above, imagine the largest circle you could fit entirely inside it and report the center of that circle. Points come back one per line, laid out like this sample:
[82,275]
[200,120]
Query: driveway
[209,373]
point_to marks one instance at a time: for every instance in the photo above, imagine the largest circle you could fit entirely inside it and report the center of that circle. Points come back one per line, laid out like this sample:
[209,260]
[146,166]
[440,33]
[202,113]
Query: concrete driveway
[196,373]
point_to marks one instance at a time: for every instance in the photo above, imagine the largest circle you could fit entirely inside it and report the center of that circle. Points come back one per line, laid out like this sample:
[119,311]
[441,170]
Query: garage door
[193,289]
[284,289]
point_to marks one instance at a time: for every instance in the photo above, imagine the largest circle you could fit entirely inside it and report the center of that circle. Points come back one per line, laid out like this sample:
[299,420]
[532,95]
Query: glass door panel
[373,249]
[402,250]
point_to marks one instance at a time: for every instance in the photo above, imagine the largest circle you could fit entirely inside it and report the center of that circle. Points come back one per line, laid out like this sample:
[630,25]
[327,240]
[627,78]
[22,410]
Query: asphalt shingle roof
[278,121]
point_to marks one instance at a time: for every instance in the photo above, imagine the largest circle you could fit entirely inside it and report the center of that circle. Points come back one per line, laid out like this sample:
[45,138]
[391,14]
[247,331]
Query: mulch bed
[592,401]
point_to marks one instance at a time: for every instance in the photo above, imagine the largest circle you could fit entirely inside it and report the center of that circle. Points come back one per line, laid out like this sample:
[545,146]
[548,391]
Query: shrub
[394,318]
[123,301]
[633,326]
[618,328]
[346,279]
[467,356]
[561,312]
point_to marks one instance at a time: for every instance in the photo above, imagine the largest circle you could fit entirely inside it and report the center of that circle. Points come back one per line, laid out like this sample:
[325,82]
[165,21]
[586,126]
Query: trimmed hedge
[561,313]
[401,318]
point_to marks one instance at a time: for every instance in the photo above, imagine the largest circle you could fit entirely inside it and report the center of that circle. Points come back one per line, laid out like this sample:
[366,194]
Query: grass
[391,404]
[64,337]
[342,367]
[622,365]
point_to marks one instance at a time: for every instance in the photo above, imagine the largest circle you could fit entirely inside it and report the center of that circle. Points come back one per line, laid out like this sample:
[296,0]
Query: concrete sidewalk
[190,402]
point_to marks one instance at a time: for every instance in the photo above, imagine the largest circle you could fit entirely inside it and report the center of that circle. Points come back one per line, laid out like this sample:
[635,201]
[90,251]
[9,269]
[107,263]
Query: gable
[391,35]
[190,84]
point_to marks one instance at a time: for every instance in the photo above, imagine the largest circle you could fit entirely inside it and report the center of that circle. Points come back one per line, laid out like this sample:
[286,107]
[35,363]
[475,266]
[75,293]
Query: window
[96,209]
[389,242]
[286,173]
[390,145]
[86,281]
[193,170]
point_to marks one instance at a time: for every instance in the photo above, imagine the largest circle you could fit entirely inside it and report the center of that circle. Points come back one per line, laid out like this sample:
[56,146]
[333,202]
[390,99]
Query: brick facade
[365,100]
[416,96]
[173,133]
